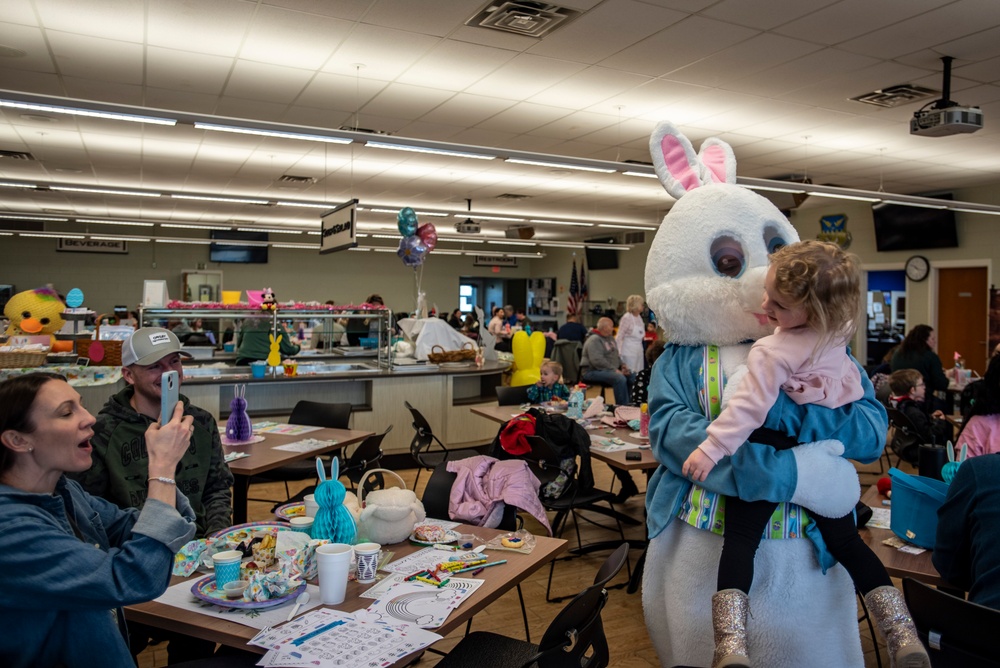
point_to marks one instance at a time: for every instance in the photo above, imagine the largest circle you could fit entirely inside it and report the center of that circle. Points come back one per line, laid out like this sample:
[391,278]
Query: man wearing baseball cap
[119,471]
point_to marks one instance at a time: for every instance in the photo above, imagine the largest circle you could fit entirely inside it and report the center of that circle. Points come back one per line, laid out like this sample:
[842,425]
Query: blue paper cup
[258,369]
[227,567]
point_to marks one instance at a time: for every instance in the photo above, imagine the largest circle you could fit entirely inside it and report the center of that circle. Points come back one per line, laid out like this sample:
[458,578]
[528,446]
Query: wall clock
[917,268]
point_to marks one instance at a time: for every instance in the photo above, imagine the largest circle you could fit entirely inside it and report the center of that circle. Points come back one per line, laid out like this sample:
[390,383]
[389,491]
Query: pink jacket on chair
[485,485]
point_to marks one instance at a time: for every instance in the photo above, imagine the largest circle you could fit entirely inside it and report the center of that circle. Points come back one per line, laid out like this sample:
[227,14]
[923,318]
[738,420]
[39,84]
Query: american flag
[584,292]
[573,301]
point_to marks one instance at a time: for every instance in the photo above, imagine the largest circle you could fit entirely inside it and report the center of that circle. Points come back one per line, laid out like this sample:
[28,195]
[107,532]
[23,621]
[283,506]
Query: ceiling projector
[944,117]
[468,227]
[944,122]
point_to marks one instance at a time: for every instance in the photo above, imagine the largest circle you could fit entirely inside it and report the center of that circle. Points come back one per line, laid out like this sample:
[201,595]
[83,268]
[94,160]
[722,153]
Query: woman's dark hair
[654,351]
[916,340]
[17,395]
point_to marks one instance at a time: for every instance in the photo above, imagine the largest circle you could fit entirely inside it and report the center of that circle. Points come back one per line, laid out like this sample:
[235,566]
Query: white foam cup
[333,562]
[311,505]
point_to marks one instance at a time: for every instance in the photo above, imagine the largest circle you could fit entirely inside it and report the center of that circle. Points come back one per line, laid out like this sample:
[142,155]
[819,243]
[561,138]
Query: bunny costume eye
[728,257]
[773,240]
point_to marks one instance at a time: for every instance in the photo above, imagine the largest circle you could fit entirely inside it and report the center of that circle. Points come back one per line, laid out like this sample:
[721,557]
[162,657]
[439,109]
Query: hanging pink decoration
[428,234]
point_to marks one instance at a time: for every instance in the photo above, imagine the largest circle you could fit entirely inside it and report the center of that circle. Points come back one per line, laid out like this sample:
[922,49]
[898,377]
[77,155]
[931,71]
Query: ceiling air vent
[532,19]
[16,155]
[369,131]
[895,96]
[296,180]
[514,196]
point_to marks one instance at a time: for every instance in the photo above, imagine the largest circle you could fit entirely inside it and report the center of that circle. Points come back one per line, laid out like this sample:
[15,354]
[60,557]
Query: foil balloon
[406,221]
[428,234]
[411,251]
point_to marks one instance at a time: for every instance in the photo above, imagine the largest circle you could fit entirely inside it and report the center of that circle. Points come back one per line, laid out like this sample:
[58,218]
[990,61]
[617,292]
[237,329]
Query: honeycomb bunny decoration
[238,426]
[334,521]
[274,357]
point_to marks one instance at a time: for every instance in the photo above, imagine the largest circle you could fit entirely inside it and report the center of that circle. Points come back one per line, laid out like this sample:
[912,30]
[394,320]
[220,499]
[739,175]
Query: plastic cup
[367,555]
[311,506]
[291,368]
[333,563]
[303,524]
[227,567]
[258,369]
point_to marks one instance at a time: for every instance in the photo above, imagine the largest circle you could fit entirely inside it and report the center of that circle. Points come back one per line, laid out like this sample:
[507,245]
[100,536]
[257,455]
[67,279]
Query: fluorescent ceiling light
[860,198]
[231,200]
[462,240]
[530,256]
[71,111]
[609,246]
[778,189]
[476,216]
[235,242]
[196,242]
[553,244]
[318,233]
[142,239]
[267,229]
[308,205]
[560,222]
[387,236]
[396,211]
[271,133]
[383,249]
[642,174]
[511,242]
[627,227]
[441,251]
[919,205]
[359,248]
[435,151]
[299,246]
[964,210]
[7,184]
[11,216]
[114,222]
[52,234]
[104,191]
[6,234]
[180,226]
[560,165]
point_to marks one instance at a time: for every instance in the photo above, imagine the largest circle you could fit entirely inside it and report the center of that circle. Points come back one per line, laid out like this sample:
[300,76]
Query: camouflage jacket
[119,471]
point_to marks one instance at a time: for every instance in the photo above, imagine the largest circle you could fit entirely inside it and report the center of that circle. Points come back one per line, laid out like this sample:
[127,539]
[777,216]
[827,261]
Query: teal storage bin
[915,502]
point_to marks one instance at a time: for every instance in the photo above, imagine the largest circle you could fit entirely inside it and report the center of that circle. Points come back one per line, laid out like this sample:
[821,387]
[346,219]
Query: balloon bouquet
[418,240]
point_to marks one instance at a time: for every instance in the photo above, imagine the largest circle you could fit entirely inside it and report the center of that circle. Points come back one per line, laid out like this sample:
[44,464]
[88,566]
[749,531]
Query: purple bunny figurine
[238,426]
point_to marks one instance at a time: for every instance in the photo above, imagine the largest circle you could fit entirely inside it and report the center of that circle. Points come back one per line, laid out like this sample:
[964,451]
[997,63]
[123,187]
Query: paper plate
[450,537]
[205,590]
[290,510]
[639,437]
[241,532]
[256,438]
[453,365]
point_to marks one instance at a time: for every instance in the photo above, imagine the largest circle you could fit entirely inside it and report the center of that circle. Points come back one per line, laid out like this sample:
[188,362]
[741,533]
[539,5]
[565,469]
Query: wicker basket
[100,353]
[438,354]
[22,359]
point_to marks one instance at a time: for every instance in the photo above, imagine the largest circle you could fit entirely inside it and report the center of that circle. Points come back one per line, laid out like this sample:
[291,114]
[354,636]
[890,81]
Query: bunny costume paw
[828,483]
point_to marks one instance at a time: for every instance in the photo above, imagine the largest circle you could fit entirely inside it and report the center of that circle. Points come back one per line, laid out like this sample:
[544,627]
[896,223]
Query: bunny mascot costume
[705,282]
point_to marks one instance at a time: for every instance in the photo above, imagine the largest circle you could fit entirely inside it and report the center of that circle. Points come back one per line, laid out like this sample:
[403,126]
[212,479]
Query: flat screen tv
[602,258]
[232,251]
[899,227]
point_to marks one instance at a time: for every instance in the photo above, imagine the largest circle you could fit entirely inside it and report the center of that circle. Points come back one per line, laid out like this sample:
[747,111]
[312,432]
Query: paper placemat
[179,596]
[305,445]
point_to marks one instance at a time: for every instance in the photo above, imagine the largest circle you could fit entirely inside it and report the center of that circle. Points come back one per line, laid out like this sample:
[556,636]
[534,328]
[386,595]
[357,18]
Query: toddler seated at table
[548,387]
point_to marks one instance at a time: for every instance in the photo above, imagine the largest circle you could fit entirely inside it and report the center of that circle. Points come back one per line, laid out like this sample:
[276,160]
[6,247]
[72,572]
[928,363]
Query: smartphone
[169,388]
[633,455]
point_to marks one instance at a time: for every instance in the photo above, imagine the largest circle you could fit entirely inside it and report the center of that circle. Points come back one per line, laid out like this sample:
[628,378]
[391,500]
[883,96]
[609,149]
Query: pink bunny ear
[674,160]
[718,161]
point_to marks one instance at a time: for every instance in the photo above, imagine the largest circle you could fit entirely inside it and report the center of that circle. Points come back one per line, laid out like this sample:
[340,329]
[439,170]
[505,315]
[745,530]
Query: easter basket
[22,359]
[387,515]
[100,353]
[438,354]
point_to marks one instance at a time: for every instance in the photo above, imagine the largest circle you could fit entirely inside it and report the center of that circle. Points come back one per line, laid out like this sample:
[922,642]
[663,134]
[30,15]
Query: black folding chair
[957,633]
[422,446]
[512,396]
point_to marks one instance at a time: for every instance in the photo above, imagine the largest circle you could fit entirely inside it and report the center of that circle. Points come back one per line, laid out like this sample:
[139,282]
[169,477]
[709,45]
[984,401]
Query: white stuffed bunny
[705,282]
[389,515]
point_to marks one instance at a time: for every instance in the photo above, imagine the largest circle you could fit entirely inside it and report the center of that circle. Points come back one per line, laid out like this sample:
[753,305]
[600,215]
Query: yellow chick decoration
[529,353]
[274,357]
[37,312]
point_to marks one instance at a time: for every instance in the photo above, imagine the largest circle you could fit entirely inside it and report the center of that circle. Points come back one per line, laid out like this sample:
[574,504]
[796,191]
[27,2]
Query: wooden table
[898,564]
[263,457]
[498,581]
[501,414]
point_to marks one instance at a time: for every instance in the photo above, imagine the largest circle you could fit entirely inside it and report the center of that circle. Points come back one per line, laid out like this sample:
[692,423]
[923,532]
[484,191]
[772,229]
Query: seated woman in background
[907,396]
[917,352]
[981,425]
[68,558]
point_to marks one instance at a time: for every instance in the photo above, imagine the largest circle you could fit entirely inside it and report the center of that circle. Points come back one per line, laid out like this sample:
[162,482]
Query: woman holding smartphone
[70,560]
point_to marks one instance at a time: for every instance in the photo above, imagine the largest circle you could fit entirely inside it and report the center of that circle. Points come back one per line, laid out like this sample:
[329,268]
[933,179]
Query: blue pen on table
[481,566]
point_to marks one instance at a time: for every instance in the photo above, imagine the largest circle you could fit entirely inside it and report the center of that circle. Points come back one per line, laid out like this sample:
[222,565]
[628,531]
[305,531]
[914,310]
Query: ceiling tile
[187,71]
[454,65]
[260,81]
[465,110]
[589,87]
[96,58]
[106,91]
[404,101]
[119,20]
[842,21]
[746,58]
[763,14]
[208,26]
[429,17]
[524,76]
[522,117]
[282,37]
[29,39]
[384,53]
[351,10]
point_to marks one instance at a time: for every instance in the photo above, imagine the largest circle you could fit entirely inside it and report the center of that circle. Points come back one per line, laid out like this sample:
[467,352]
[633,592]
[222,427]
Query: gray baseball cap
[149,345]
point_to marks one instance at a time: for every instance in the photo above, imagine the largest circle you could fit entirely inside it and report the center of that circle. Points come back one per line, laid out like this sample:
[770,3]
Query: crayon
[472,568]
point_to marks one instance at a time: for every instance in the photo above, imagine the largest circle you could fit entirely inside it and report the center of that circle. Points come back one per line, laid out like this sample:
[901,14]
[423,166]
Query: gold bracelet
[164,480]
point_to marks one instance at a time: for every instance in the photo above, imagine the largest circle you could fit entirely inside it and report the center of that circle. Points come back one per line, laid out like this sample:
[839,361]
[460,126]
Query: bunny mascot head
[705,282]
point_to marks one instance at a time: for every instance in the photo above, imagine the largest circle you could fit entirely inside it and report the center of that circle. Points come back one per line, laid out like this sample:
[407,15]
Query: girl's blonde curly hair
[825,280]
